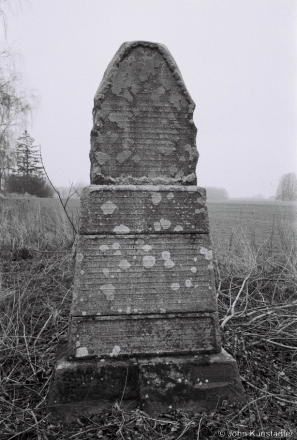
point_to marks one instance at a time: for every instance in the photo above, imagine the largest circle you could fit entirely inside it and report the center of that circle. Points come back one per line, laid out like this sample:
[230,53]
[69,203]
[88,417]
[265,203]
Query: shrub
[30,184]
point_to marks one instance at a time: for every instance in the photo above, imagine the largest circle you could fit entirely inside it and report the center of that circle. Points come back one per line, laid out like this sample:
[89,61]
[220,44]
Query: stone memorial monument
[144,324]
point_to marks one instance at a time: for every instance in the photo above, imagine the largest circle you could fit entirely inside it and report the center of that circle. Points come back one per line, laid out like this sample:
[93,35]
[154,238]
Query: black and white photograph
[148,219]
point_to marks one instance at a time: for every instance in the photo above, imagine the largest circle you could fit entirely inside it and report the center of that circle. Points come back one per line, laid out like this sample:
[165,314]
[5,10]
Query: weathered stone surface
[156,384]
[143,209]
[100,381]
[144,325]
[198,383]
[143,274]
[134,335]
[143,120]
[82,387]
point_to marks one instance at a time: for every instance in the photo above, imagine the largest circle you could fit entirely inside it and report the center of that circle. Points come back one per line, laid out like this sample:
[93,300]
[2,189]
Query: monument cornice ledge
[124,51]
[129,180]
[157,188]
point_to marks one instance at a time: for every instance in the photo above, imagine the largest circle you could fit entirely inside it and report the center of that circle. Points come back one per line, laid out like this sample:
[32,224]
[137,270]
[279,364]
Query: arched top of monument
[143,130]
[124,50]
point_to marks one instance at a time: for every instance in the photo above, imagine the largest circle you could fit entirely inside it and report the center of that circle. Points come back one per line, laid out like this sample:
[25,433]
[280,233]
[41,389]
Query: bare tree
[16,102]
[287,187]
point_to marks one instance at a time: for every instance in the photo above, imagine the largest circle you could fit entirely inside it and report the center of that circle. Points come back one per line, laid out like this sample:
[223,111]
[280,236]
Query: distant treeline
[216,194]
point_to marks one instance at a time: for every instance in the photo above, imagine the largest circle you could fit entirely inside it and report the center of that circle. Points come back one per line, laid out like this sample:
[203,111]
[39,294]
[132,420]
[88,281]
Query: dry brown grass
[257,304]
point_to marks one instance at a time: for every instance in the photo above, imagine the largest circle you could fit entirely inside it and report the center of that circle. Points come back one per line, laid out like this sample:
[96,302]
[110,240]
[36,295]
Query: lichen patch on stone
[115,351]
[156,198]
[136,158]
[166,255]
[124,264]
[81,352]
[152,174]
[103,248]
[148,261]
[192,152]
[157,226]
[122,157]
[101,157]
[173,170]
[167,148]
[121,229]
[108,207]
[169,264]
[146,248]
[108,290]
[178,228]
[165,223]
[105,272]
[206,252]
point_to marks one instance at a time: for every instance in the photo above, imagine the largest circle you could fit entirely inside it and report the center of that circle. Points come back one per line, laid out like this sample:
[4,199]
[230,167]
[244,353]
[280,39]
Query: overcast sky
[238,59]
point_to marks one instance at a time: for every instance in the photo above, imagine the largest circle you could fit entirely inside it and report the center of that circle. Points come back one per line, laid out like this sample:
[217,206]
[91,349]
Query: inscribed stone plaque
[147,209]
[143,274]
[141,335]
[143,128]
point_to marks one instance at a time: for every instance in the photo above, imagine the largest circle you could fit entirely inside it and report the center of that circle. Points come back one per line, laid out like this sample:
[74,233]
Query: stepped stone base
[154,384]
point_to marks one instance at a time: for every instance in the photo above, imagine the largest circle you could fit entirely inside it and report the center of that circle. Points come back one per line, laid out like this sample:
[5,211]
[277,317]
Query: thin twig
[199,427]
[267,393]
[227,318]
[43,327]
[124,386]
[59,196]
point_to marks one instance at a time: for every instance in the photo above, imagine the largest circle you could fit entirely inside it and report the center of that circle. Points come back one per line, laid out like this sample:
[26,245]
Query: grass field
[256,276]
[260,221]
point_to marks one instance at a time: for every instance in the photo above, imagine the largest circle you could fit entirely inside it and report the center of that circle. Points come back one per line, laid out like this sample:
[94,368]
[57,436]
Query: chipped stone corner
[198,383]
[86,386]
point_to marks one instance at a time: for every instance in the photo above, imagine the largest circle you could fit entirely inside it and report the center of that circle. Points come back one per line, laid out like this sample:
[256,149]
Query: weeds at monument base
[37,274]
